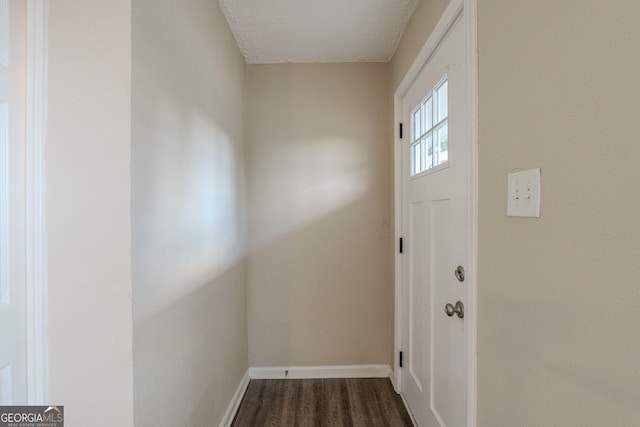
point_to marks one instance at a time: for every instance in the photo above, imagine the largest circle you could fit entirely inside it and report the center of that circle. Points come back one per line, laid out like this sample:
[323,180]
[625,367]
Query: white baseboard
[394,383]
[235,401]
[406,406]
[301,372]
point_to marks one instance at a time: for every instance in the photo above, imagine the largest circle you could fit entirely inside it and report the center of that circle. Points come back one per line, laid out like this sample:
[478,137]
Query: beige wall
[87,211]
[424,18]
[319,283]
[188,213]
[558,303]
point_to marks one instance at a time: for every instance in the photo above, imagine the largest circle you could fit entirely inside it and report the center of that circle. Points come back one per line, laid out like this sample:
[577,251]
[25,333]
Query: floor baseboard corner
[236,400]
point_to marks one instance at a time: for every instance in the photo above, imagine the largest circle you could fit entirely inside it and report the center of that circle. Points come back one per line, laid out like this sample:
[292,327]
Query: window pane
[443,101]
[428,114]
[416,125]
[442,142]
[429,144]
[415,160]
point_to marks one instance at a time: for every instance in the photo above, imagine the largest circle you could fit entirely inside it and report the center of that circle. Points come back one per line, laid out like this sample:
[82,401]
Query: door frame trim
[445,23]
[36,260]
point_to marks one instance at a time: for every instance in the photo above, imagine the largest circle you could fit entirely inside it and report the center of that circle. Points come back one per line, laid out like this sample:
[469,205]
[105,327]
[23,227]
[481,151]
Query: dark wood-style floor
[354,402]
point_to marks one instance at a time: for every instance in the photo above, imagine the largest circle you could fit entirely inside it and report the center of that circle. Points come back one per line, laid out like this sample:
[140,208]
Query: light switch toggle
[523,198]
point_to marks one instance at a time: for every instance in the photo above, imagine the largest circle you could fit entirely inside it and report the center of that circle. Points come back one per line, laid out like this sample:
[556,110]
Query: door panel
[418,354]
[445,331]
[435,227]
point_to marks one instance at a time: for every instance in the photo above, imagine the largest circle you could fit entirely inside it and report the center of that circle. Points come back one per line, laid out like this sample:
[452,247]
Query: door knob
[458,309]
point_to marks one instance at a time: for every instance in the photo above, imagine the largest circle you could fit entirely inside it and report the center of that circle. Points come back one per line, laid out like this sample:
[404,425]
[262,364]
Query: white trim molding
[305,372]
[36,277]
[406,406]
[471,21]
[446,22]
[236,400]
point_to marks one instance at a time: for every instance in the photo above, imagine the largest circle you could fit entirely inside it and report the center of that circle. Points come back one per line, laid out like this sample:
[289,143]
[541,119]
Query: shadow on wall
[298,184]
[318,260]
[179,353]
[190,225]
[190,342]
[188,213]
[318,295]
[189,250]
[187,157]
[319,235]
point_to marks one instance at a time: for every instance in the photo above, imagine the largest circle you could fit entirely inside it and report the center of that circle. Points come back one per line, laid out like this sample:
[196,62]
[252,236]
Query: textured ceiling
[272,31]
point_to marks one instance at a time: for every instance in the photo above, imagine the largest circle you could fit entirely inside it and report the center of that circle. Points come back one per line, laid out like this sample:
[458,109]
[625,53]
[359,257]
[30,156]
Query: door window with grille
[430,130]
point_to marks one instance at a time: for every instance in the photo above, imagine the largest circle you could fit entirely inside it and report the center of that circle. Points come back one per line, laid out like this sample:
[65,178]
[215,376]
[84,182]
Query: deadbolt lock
[460,273]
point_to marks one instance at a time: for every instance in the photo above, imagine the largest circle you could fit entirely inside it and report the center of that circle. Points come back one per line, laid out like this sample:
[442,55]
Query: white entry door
[13,332]
[435,177]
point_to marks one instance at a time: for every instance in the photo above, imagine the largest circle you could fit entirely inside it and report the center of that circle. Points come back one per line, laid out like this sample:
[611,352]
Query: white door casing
[23,301]
[436,213]
[36,271]
[13,329]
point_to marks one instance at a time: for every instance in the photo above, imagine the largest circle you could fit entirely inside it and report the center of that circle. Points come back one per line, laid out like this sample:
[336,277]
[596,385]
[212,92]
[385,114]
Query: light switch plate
[524,193]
